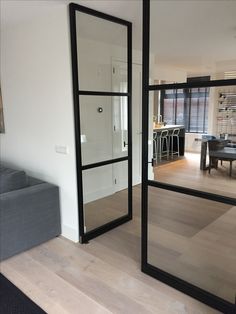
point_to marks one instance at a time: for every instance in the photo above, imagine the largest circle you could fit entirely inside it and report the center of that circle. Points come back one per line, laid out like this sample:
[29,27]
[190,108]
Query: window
[188,107]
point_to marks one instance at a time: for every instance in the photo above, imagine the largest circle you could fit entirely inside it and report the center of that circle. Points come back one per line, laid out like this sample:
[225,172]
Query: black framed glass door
[188,198]
[101,47]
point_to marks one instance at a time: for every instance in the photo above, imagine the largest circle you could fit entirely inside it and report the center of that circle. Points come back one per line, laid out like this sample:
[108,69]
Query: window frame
[187,98]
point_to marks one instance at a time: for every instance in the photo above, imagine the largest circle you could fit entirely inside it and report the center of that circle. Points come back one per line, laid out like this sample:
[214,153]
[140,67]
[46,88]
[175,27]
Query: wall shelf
[226,113]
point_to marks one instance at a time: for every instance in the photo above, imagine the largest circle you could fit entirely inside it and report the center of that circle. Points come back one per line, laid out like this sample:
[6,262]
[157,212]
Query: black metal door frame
[173,281]
[86,236]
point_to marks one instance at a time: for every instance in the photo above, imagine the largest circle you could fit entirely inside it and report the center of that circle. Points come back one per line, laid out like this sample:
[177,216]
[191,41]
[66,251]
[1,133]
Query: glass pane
[192,39]
[102,54]
[194,240]
[104,128]
[105,191]
[180,111]
[169,111]
[201,118]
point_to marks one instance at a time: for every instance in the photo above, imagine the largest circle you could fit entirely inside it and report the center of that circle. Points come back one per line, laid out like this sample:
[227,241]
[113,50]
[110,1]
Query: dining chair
[213,146]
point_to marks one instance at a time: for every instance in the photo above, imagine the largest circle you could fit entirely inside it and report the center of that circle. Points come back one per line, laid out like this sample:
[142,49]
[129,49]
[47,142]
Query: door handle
[125,144]
[151,162]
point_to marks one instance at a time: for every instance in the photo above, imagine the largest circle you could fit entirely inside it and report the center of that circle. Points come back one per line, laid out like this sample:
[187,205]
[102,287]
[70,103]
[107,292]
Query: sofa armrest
[34,181]
[29,190]
[28,217]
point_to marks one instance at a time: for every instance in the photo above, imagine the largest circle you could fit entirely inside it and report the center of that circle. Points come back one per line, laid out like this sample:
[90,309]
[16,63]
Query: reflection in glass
[202,115]
[105,194]
[194,240]
[186,41]
[100,45]
[104,126]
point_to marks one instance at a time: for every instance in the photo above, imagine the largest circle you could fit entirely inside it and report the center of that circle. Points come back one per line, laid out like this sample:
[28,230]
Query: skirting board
[70,233]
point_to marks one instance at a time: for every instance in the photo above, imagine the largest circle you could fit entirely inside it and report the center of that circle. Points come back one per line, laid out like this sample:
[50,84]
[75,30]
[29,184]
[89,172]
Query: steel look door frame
[173,281]
[86,236]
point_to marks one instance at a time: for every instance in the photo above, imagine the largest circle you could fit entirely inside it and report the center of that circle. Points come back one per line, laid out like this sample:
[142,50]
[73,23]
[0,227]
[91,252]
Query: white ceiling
[198,36]
[195,35]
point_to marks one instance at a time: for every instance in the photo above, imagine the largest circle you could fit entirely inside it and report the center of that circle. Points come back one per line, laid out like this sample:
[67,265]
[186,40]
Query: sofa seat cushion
[11,179]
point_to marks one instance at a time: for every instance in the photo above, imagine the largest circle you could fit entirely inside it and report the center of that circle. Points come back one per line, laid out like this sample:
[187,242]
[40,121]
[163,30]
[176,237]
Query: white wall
[37,94]
[167,73]
[96,60]
[37,97]
[95,73]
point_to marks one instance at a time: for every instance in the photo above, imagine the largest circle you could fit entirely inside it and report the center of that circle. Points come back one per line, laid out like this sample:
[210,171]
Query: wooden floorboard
[185,172]
[63,277]
[195,240]
[204,253]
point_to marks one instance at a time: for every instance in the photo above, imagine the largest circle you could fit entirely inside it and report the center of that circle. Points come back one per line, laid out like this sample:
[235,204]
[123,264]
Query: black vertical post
[75,77]
[189,99]
[130,154]
[176,104]
[145,128]
[204,117]
[198,107]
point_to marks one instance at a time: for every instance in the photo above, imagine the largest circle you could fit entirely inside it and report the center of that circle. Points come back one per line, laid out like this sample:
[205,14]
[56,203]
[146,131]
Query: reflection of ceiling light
[83,138]
[230,75]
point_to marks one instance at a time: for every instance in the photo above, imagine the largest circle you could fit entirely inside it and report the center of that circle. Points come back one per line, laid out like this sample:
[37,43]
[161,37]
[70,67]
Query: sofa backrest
[11,180]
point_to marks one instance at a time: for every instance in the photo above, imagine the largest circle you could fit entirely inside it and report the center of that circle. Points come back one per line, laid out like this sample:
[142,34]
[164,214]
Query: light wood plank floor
[104,276]
[185,172]
[194,240]
[106,209]
[100,277]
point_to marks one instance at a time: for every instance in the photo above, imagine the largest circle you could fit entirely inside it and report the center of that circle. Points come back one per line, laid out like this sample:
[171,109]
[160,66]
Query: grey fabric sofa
[29,212]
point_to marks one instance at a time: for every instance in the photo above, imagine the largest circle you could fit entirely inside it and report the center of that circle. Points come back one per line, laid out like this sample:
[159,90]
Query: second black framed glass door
[188,197]
[102,66]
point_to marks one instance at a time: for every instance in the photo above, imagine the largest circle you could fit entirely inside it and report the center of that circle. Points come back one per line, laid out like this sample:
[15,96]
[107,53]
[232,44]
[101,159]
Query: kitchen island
[171,128]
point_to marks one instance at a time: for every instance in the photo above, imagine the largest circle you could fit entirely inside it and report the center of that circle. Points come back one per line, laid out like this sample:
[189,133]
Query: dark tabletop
[226,152]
